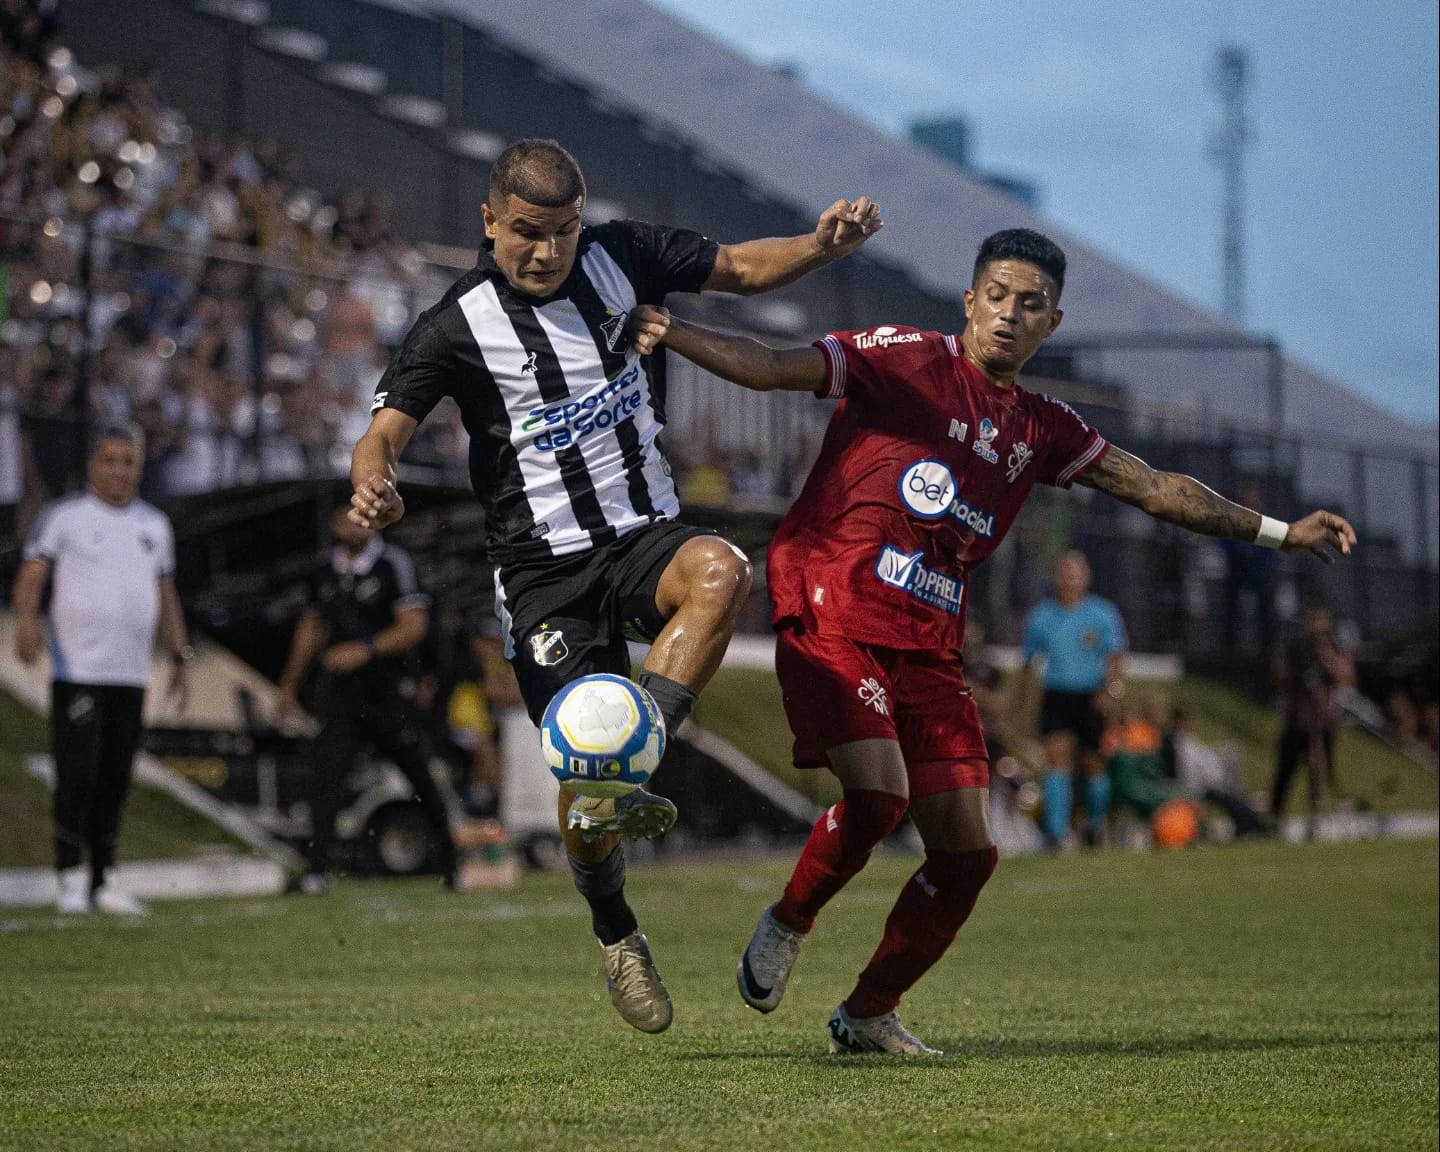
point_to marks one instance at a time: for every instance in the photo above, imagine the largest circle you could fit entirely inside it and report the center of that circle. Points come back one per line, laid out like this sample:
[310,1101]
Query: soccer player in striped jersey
[563,416]
[926,462]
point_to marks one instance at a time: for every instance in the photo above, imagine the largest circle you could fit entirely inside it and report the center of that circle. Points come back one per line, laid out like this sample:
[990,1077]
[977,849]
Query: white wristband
[1272,532]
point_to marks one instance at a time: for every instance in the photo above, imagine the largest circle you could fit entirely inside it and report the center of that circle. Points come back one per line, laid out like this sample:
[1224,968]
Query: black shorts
[1072,712]
[571,616]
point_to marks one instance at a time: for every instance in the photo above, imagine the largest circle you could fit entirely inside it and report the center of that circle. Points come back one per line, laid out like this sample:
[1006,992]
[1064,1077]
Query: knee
[961,873]
[722,578]
[867,817]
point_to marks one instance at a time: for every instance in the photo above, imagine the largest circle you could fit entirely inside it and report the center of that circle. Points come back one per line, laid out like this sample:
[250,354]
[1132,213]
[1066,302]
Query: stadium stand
[267,101]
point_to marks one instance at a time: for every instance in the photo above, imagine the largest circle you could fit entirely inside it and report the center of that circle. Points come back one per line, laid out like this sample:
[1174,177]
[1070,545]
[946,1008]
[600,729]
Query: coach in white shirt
[112,561]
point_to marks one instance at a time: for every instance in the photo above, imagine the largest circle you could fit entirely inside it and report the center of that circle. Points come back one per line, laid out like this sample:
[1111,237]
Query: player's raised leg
[934,904]
[688,597]
[689,606]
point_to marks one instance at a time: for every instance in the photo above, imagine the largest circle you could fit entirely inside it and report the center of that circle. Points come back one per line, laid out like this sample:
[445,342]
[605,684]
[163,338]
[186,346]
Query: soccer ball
[602,735]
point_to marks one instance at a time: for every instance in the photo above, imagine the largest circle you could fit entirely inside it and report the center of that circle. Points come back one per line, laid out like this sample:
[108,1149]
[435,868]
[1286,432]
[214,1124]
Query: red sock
[839,845]
[932,906]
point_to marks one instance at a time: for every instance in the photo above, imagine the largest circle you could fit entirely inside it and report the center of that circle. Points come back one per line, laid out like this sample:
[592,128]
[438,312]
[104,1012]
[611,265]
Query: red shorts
[837,691]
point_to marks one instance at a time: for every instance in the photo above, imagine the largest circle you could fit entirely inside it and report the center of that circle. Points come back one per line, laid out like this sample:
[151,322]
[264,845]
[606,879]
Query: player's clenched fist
[375,503]
[845,225]
[648,325]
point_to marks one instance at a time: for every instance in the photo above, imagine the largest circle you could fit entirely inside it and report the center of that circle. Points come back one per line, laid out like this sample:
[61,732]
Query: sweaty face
[1011,308]
[534,246]
[114,471]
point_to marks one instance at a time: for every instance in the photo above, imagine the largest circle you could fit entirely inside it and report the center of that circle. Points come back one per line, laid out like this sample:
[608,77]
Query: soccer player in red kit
[926,462]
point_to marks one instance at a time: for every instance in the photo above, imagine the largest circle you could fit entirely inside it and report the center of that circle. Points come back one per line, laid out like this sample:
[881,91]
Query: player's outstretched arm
[374,469]
[740,359]
[760,265]
[1185,501]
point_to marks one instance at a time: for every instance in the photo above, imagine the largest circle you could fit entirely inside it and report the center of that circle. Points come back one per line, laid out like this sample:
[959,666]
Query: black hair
[540,172]
[1023,244]
[130,433]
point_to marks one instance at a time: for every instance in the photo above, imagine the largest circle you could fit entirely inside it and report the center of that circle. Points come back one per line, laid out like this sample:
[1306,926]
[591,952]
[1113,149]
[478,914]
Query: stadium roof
[792,143]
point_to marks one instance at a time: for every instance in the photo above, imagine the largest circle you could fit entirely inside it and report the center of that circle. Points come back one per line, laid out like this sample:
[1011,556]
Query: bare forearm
[761,265]
[738,359]
[405,633]
[309,638]
[173,633]
[29,584]
[1171,497]
[374,455]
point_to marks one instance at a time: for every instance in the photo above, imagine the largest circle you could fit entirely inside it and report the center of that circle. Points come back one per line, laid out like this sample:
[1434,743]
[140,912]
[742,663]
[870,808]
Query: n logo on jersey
[614,329]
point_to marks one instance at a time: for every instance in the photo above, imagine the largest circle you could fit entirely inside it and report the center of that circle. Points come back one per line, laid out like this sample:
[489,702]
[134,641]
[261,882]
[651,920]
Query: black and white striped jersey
[562,414]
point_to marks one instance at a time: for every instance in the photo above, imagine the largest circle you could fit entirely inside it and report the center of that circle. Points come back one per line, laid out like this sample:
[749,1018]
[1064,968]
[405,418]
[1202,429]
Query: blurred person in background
[364,612]
[1309,675]
[110,558]
[1208,775]
[485,687]
[1083,641]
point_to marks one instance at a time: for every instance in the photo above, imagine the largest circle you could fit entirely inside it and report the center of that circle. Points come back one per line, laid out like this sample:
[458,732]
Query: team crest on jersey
[614,329]
[983,437]
[1019,458]
[548,648]
[529,367]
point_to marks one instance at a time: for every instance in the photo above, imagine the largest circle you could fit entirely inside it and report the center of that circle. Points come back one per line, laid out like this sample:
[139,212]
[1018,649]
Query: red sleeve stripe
[835,352]
[1093,452]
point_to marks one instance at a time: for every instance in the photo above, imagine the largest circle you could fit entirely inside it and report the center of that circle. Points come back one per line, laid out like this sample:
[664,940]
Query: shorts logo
[983,437]
[81,710]
[872,692]
[907,571]
[548,648]
[884,336]
[1020,456]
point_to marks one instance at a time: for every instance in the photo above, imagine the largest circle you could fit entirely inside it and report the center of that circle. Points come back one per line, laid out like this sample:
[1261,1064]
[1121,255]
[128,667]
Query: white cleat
[116,902]
[765,967]
[640,815]
[636,989]
[874,1034]
[73,898]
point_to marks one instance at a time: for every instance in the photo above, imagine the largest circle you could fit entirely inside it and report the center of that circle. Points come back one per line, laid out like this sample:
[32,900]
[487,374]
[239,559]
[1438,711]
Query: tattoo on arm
[1171,497]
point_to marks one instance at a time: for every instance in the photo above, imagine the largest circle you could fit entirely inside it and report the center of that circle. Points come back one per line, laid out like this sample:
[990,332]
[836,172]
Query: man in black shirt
[365,610]
[563,415]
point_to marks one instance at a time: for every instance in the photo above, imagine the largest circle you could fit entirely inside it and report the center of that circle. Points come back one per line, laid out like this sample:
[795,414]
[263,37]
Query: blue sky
[1108,107]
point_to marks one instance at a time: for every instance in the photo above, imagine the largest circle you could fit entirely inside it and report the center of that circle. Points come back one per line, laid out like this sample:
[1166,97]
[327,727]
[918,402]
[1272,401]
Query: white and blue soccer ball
[602,735]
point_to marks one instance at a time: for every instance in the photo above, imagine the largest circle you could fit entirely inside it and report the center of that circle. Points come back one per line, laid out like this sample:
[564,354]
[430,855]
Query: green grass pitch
[1263,998]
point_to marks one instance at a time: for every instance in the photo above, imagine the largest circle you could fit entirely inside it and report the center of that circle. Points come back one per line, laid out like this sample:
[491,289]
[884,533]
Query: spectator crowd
[183,280]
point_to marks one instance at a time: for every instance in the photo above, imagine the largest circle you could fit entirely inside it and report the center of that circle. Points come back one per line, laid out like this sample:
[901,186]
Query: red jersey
[923,470]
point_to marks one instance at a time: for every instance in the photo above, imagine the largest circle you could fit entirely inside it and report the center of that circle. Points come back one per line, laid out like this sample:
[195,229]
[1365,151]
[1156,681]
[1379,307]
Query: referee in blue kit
[1083,641]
